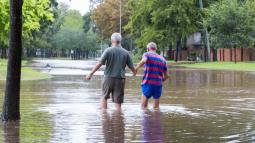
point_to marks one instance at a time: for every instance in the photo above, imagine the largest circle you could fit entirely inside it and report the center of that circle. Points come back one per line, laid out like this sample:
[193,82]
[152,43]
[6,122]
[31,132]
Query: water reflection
[151,127]
[113,127]
[196,106]
[11,132]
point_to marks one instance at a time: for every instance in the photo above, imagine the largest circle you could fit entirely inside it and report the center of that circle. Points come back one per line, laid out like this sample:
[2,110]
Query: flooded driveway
[197,106]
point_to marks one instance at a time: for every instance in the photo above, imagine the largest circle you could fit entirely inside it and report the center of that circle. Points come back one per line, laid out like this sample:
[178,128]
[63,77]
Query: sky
[80,5]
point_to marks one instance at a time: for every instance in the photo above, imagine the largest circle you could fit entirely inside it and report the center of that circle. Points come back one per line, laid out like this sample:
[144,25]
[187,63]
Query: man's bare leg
[118,106]
[156,104]
[144,102]
[103,103]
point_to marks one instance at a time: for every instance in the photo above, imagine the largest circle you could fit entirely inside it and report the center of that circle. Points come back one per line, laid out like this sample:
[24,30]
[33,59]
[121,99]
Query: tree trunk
[163,51]
[169,51]
[214,55]
[235,54]
[242,54]
[87,54]
[5,53]
[178,44]
[205,54]
[75,54]
[11,106]
[207,42]
[1,52]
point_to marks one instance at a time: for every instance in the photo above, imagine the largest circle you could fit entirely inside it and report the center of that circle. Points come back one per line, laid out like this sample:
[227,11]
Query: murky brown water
[197,106]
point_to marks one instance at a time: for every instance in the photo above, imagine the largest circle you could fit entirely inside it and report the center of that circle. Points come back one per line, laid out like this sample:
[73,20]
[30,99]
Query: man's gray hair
[152,45]
[116,37]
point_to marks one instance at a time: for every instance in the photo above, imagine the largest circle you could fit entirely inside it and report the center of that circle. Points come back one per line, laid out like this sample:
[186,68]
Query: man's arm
[98,65]
[131,65]
[140,64]
[166,75]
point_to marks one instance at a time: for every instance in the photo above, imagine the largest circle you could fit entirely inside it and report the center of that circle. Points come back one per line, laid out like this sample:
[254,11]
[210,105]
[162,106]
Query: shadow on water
[113,127]
[11,132]
[151,127]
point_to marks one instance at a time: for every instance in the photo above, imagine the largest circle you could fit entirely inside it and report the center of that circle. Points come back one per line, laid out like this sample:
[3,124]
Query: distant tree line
[230,23]
[50,30]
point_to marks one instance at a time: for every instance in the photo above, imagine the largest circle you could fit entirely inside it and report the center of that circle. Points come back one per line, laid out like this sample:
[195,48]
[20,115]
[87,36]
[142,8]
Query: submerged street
[197,106]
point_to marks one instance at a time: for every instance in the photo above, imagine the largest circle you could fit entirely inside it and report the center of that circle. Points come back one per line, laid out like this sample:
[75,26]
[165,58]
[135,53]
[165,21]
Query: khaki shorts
[115,87]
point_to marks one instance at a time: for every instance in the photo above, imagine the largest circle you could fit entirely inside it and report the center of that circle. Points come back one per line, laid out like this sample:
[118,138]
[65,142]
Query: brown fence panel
[184,55]
[252,54]
[218,54]
[227,55]
[247,54]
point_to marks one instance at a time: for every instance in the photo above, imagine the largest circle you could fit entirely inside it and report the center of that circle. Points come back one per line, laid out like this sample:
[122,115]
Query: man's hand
[166,76]
[88,77]
[98,65]
[140,64]
[134,71]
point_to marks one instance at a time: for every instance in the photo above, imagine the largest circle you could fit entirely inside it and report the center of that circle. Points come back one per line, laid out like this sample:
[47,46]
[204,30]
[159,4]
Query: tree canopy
[72,35]
[106,17]
[4,22]
[232,23]
[33,12]
[163,21]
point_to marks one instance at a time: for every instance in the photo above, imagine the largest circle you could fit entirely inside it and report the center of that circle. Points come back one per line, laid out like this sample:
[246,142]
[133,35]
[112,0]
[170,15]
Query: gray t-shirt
[116,58]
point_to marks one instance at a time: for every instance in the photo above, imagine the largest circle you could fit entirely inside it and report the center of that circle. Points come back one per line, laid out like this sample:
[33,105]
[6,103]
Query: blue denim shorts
[154,91]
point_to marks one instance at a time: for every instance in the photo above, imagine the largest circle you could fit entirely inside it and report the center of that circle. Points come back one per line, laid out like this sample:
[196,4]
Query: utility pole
[92,5]
[120,15]
[206,35]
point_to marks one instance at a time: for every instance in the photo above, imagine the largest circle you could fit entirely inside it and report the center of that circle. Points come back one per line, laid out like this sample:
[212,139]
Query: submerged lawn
[242,66]
[26,72]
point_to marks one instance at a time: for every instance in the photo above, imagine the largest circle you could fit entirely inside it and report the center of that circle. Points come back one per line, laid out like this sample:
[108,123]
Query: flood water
[196,106]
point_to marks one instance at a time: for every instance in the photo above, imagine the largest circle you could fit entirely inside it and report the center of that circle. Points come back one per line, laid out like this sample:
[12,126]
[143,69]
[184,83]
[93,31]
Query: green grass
[239,66]
[26,72]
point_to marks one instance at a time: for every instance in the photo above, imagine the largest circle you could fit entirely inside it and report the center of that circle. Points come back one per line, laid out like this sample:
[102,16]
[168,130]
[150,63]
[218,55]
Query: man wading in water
[116,59]
[155,73]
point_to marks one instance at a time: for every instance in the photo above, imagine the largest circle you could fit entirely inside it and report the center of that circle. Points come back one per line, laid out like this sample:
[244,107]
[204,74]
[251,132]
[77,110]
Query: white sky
[80,5]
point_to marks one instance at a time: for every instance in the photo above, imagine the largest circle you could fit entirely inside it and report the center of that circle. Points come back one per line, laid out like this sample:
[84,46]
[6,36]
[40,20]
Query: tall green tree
[232,23]
[165,22]
[4,21]
[41,39]
[33,12]
[107,17]
[22,20]
[11,106]
[70,31]
[88,24]
[72,35]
